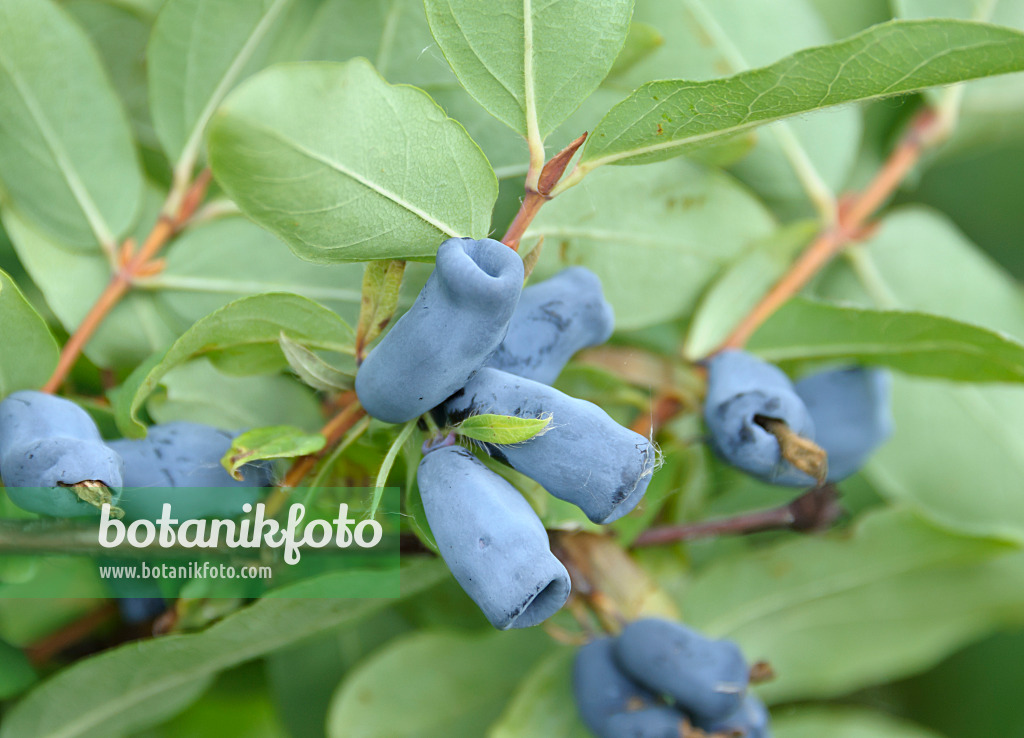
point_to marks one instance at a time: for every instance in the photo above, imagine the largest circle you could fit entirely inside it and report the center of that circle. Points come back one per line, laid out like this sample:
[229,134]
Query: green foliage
[329,183]
[66,155]
[540,74]
[273,442]
[22,326]
[244,334]
[665,119]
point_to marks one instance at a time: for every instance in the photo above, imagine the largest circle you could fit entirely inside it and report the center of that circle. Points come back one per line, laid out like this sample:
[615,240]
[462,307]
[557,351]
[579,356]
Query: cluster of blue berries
[54,462]
[659,679]
[475,342]
[845,412]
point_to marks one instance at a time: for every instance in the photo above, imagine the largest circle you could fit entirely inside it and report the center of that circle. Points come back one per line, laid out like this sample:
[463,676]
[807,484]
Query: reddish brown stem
[41,652]
[814,510]
[853,220]
[333,432]
[531,205]
[133,264]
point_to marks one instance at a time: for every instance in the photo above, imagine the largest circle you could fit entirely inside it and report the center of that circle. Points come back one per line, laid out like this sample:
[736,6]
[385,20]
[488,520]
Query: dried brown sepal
[531,259]
[804,454]
[761,672]
[96,494]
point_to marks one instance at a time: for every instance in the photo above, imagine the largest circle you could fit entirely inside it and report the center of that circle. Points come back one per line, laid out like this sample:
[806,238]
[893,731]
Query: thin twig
[851,227]
[133,264]
[812,511]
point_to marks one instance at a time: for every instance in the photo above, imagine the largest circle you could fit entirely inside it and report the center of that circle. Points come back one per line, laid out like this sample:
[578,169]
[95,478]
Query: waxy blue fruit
[752,720]
[741,390]
[584,457]
[185,455]
[706,679]
[47,443]
[491,539]
[851,412]
[457,321]
[602,691]
[554,319]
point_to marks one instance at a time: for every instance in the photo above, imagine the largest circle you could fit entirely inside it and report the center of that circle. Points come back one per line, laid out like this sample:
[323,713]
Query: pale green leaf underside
[249,328]
[530,63]
[313,370]
[66,154]
[345,167]
[844,722]
[665,119]
[912,342]
[120,689]
[274,442]
[30,351]
[502,429]
[198,51]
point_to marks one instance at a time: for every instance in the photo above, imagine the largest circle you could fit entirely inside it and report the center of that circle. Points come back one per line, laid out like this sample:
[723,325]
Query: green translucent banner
[203,542]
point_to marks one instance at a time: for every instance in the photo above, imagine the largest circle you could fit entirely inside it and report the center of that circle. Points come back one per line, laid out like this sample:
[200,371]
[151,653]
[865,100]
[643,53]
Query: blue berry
[751,720]
[706,679]
[456,322]
[47,442]
[185,455]
[554,319]
[140,609]
[741,390]
[602,691]
[491,539]
[584,457]
[851,413]
[651,722]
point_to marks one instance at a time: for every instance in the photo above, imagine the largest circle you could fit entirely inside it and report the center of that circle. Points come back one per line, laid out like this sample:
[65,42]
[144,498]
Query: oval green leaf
[502,429]
[530,63]
[30,351]
[67,159]
[665,119]
[345,167]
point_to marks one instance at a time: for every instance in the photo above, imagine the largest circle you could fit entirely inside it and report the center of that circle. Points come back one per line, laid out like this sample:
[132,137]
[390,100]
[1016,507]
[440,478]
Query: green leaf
[665,119]
[313,370]
[543,704]
[738,289]
[655,236]
[198,393]
[274,442]
[207,267]
[919,261]
[502,429]
[128,687]
[530,63]
[198,51]
[16,673]
[66,154]
[250,328]
[409,686]
[381,283]
[912,342]
[30,352]
[708,39]
[366,171]
[990,109]
[844,722]
[120,35]
[860,596]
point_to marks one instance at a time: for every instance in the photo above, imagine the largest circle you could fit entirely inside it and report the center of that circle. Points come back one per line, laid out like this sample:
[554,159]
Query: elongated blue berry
[48,443]
[456,322]
[584,457]
[751,720]
[554,319]
[743,390]
[185,455]
[851,412]
[651,722]
[491,539]
[706,679]
[602,692]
